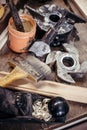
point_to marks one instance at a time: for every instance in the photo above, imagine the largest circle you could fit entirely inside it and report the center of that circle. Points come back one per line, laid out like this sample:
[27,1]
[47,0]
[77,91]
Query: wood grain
[53,89]
[82,6]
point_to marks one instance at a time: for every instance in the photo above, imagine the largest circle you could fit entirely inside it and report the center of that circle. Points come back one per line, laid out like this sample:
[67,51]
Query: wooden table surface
[76,109]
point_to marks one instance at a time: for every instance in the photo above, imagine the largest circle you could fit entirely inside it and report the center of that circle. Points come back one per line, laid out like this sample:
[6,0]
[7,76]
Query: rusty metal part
[66,62]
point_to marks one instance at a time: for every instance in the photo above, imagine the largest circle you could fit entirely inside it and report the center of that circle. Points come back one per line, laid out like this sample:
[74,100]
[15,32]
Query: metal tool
[46,10]
[15,74]
[51,14]
[48,19]
[66,62]
[48,15]
[33,12]
[40,48]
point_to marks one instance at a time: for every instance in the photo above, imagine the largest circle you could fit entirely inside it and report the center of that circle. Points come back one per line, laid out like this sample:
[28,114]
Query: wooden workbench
[76,109]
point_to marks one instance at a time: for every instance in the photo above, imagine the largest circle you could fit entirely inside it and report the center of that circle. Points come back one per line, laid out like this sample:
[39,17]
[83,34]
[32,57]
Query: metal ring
[69,58]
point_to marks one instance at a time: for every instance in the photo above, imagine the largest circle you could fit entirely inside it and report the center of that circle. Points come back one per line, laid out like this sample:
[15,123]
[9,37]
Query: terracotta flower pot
[20,41]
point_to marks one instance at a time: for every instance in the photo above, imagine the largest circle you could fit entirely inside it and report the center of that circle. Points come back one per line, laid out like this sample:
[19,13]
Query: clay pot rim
[33,22]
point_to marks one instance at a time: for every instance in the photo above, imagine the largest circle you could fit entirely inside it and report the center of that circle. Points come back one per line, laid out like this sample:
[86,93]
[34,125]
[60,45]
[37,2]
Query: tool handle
[49,36]
[15,15]
[53,32]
